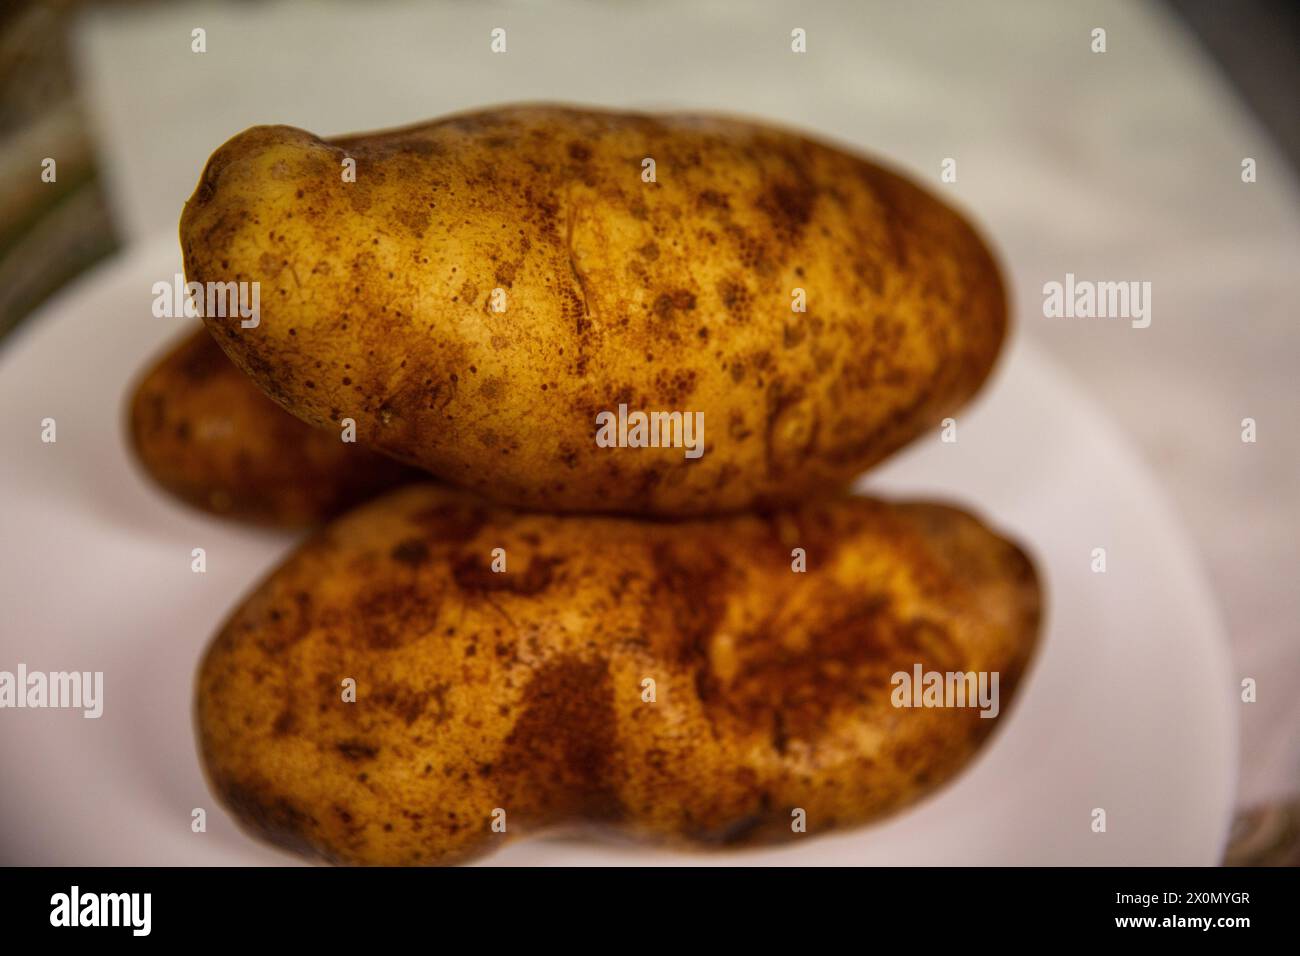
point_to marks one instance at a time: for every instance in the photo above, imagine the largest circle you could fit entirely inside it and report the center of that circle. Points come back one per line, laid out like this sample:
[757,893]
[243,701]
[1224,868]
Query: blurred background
[1117,165]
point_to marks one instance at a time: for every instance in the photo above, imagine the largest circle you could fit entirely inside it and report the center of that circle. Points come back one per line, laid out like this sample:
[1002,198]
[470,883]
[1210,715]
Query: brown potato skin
[667,296]
[203,431]
[522,690]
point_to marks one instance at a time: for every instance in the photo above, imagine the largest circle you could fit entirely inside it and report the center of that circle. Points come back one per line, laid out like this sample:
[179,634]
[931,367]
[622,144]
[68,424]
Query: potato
[524,696]
[206,433]
[494,285]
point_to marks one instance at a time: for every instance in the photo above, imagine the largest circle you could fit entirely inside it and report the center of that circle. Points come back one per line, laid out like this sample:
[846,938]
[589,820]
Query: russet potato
[523,696]
[478,291]
[201,429]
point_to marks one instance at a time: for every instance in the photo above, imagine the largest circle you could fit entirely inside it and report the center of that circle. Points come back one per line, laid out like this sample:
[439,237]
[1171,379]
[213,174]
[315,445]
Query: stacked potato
[575,627]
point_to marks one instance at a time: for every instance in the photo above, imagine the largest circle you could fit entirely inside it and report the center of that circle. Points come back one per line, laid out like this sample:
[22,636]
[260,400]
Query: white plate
[1130,706]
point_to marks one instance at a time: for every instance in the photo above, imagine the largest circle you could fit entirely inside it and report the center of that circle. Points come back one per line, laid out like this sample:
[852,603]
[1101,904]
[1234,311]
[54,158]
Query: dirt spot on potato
[789,207]
[360,196]
[473,572]
[675,387]
[505,273]
[390,617]
[356,750]
[274,817]
[736,298]
[451,523]
[412,552]
[713,199]
[563,749]
[280,626]
[686,600]
[414,219]
[409,704]
[789,677]
[669,304]
[285,724]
